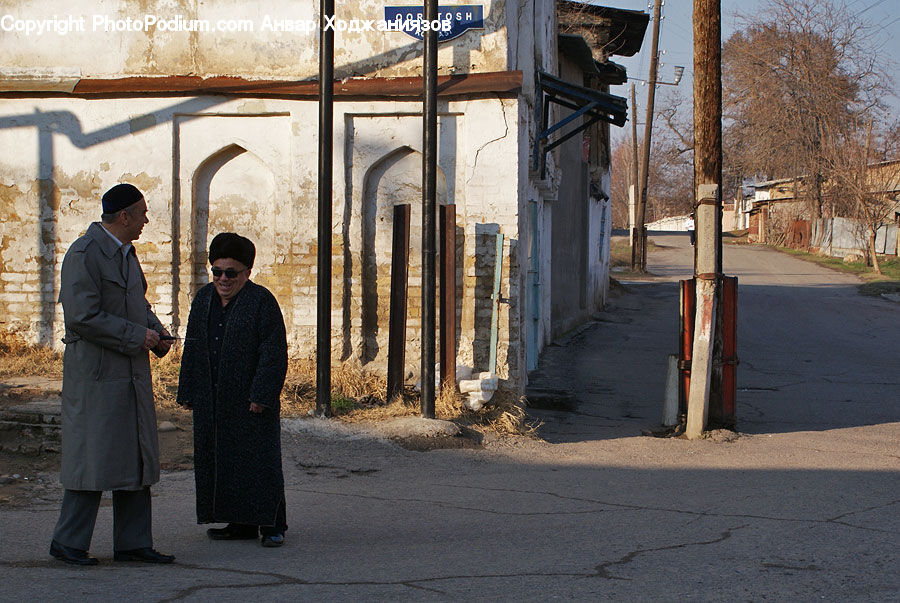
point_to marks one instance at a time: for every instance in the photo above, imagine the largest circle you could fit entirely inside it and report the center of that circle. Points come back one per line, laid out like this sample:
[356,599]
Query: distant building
[777,213]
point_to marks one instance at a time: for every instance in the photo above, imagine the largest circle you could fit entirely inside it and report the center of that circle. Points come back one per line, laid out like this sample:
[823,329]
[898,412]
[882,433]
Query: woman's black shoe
[234,532]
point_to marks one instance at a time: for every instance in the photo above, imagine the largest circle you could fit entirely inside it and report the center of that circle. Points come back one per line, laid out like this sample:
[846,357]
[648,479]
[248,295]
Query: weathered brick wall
[251,48]
[41,217]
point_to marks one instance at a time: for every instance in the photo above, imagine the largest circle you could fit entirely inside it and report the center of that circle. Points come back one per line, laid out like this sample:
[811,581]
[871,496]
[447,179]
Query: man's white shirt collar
[125,247]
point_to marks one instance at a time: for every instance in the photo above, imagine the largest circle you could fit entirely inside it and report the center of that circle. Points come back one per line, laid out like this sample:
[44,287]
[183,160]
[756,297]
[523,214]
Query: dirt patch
[29,461]
[176,444]
[723,436]
[466,439]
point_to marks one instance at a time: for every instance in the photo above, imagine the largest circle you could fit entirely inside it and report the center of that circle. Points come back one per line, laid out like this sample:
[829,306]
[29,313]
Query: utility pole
[708,180]
[648,130]
[429,209]
[326,144]
[635,187]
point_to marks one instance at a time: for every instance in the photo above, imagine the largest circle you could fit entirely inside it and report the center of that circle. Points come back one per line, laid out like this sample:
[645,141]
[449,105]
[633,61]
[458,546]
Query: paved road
[802,504]
[814,354]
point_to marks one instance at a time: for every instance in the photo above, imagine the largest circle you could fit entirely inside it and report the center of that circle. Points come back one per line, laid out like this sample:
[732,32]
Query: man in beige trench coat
[108,414]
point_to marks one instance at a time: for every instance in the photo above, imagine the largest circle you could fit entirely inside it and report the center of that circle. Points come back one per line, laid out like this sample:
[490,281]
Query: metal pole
[648,131]
[326,143]
[448,296]
[429,204]
[399,299]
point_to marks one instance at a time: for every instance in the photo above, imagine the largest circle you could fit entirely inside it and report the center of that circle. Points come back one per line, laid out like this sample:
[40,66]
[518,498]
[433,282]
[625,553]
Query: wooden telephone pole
[639,241]
[635,197]
[708,206]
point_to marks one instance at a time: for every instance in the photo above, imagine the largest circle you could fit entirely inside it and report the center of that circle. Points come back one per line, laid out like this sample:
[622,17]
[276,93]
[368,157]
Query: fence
[842,236]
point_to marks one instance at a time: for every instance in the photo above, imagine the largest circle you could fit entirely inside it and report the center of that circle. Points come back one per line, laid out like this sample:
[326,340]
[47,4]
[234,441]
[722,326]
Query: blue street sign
[452,21]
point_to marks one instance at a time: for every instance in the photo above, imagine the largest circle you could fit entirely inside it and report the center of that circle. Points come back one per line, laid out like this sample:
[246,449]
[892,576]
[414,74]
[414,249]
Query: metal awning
[593,105]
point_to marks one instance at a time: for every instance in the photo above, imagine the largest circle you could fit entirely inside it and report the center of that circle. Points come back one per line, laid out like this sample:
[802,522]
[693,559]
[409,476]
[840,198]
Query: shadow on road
[814,353]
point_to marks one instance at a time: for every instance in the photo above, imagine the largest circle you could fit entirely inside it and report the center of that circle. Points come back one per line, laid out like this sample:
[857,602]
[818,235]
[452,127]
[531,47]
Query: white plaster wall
[158,143]
[254,202]
[260,53]
[532,46]
[599,234]
[86,146]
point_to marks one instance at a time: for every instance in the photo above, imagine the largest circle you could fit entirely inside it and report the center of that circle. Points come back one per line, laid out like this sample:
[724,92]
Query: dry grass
[165,378]
[358,397]
[352,388]
[506,416]
[18,357]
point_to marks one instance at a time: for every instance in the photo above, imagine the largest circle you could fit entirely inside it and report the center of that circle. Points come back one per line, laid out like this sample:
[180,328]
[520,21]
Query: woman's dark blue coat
[237,453]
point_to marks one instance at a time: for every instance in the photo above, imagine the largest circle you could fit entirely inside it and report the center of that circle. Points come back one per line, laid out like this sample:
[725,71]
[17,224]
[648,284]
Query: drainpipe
[326,144]
[429,204]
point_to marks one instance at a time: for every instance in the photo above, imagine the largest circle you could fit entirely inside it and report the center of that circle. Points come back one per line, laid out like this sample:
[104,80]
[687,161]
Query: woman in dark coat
[232,372]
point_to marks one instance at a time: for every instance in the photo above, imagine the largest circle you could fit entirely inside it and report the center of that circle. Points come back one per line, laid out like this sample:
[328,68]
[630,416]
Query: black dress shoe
[70,555]
[146,555]
[234,531]
[272,540]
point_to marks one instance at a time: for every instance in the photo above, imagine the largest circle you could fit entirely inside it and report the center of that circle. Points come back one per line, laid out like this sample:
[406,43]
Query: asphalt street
[802,503]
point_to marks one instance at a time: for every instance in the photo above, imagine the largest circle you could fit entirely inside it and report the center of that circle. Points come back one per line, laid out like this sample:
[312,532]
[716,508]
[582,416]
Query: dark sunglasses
[229,272]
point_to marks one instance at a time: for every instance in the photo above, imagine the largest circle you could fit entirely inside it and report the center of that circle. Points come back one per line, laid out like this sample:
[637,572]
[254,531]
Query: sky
[676,41]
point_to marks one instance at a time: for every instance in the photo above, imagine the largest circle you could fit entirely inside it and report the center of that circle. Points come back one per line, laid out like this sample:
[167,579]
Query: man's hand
[163,346]
[151,339]
[256,408]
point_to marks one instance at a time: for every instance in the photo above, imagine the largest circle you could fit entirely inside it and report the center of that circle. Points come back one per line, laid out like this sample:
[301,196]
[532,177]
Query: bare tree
[669,187]
[620,181]
[866,180]
[793,77]
[677,144]
[674,150]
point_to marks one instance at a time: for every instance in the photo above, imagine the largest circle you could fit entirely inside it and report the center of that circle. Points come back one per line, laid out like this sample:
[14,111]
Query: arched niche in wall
[233,191]
[394,179]
[212,151]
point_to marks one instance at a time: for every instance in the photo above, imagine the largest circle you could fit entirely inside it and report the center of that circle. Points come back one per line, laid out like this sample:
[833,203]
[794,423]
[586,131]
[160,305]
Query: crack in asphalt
[276,579]
[810,567]
[602,569]
[413,583]
[613,505]
[836,519]
[444,504]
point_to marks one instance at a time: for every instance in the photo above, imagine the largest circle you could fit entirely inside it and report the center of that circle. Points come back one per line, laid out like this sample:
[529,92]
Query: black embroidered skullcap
[119,197]
[234,246]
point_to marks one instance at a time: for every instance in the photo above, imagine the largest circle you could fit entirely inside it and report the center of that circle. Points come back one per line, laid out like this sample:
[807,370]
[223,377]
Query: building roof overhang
[501,82]
[609,31]
[579,52]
